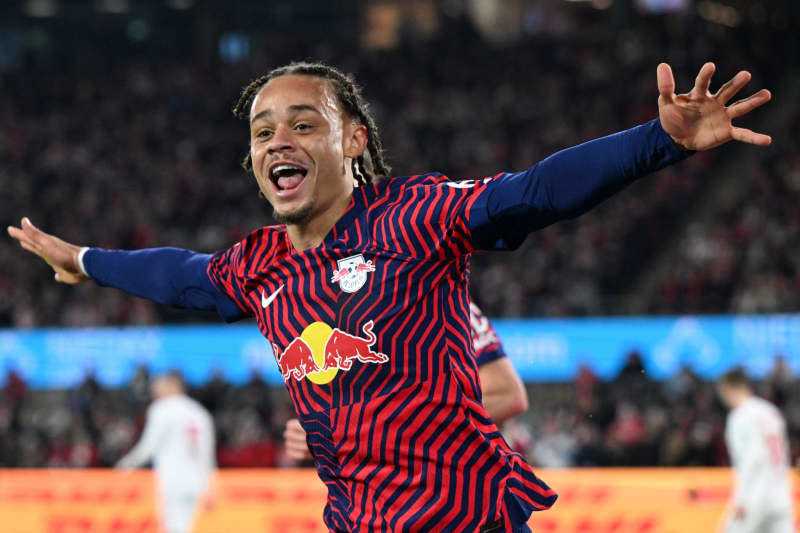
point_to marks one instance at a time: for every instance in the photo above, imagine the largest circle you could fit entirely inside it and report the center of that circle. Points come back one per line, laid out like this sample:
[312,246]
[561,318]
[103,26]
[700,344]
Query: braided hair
[367,168]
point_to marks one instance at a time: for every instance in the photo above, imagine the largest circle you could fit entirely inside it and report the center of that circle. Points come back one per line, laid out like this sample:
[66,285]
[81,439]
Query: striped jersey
[371,331]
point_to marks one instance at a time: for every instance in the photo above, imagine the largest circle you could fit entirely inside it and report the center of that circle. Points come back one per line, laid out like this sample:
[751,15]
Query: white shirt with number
[758,446]
[179,437]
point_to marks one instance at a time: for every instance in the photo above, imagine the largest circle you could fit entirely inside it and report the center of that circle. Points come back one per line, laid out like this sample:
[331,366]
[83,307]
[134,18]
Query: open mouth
[287,176]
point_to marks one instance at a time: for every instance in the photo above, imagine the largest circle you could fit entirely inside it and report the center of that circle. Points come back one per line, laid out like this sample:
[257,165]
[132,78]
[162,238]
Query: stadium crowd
[630,421]
[140,154]
[745,256]
[146,154]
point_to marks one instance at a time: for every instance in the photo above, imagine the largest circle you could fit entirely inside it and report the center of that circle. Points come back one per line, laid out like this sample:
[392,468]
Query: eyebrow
[296,108]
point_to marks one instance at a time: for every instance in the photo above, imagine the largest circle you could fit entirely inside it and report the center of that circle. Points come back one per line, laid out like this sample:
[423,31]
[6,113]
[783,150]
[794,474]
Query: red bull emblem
[351,273]
[321,351]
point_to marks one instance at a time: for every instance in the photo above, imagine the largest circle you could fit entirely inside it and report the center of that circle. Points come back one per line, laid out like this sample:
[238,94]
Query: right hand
[295,438]
[60,255]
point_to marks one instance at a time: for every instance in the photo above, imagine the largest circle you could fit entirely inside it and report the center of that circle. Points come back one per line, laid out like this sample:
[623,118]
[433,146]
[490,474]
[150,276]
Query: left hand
[699,120]
[294,436]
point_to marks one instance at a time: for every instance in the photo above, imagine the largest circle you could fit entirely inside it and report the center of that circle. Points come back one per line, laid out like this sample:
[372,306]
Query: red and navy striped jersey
[371,332]
[485,341]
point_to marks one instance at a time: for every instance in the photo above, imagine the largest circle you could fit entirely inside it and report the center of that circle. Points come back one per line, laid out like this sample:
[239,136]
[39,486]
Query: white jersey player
[179,438]
[756,437]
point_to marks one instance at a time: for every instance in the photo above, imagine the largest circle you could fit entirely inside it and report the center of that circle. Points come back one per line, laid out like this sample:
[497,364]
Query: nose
[281,141]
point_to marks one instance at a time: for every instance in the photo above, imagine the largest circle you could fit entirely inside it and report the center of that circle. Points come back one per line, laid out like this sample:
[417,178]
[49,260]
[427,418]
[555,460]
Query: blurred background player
[504,394]
[179,438]
[755,434]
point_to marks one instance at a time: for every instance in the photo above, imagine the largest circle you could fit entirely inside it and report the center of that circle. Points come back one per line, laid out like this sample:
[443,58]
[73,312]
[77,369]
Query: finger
[703,80]
[30,230]
[16,233]
[297,454]
[293,440]
[742,107]
[666,81]
[23,237]
[750,137]
[733,86]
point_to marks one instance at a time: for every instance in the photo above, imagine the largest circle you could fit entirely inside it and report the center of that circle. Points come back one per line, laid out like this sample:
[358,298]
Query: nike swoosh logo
[266,301]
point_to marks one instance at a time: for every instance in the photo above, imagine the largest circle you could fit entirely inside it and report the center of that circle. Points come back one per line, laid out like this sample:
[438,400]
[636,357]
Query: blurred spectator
[780,381]
[147,154]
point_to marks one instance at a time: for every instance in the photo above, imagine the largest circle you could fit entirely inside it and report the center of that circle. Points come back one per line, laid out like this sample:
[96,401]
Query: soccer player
[179,438]
[363,291]
[504,394]
[755,434]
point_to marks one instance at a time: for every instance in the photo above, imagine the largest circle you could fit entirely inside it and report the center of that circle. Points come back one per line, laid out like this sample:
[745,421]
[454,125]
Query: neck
[741,397]
[311,233]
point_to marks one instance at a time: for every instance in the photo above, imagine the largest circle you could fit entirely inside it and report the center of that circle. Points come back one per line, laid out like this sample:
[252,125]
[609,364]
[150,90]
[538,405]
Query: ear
[354,140]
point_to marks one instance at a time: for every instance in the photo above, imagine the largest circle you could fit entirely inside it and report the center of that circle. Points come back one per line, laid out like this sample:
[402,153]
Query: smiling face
[301,145]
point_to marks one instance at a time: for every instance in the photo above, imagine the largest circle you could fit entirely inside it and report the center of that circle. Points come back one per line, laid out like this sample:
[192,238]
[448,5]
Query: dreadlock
[368,167]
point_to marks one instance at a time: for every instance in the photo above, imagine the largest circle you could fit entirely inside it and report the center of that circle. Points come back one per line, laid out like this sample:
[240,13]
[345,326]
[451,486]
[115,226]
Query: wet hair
[367,168]
[736,377]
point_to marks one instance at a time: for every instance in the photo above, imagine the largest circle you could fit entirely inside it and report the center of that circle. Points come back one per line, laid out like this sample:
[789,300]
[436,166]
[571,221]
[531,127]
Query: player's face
[299,145]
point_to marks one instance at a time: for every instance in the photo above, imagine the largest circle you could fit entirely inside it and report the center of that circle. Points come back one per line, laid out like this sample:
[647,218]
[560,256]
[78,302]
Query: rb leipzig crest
[352,272]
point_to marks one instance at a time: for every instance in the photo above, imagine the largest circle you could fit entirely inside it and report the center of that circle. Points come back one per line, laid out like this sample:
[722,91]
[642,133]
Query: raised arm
[170,276]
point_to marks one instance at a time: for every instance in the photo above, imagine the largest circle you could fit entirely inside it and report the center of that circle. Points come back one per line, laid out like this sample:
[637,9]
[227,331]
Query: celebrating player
[363,292]
[179,437]
[758,446]
[503,392]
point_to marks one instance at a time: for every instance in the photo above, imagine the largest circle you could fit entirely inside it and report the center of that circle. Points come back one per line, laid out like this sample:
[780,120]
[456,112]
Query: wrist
[79,261]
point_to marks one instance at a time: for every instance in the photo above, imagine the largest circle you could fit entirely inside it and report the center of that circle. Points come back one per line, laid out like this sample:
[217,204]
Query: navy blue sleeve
[170,276]
[566,184]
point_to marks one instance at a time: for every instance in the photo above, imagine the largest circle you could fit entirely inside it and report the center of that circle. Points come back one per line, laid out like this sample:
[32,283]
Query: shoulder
[259,242]
[398,185]
[158,408]
[769,409]
[746,413]
[267,236]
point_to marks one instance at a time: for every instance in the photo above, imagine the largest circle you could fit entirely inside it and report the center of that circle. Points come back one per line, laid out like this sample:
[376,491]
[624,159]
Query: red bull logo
[321,351]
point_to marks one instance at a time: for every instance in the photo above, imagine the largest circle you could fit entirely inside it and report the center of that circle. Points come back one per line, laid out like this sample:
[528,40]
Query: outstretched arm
[170,276]
[574,180]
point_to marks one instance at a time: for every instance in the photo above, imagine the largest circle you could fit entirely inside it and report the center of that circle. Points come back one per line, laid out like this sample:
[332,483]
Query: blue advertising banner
[541,350]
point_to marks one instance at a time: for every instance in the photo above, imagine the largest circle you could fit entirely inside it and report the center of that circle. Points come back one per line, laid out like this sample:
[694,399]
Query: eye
[263,134]
[302,126]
